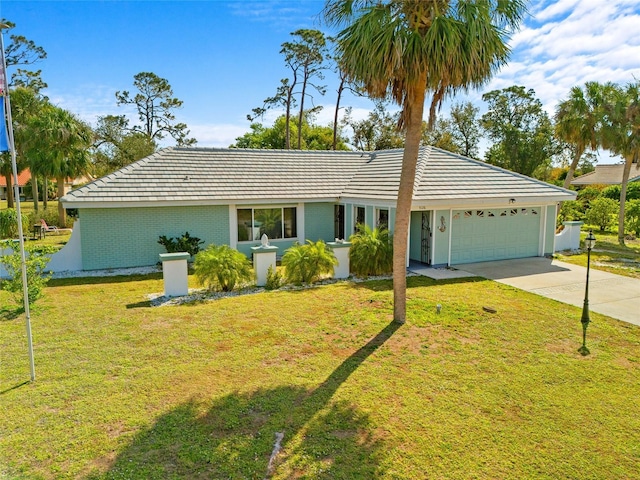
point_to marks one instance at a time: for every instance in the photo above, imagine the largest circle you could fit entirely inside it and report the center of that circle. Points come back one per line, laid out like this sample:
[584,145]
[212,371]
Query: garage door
[499,234]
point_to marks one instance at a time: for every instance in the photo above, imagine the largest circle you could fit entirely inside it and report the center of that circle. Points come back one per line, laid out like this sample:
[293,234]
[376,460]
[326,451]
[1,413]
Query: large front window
[275,222]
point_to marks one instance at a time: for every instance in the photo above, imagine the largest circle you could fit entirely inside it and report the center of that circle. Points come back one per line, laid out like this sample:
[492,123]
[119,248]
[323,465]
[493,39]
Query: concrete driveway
[609,294]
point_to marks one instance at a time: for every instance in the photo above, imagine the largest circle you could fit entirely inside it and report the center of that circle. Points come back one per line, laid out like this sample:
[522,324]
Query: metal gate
[425,239]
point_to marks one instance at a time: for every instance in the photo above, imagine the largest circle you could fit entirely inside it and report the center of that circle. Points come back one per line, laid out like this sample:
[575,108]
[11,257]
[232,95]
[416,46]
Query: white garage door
[495,234]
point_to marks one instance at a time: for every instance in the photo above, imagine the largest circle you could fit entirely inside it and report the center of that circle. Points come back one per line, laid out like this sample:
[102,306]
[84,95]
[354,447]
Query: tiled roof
[208,175]
[607,175]
[23,178]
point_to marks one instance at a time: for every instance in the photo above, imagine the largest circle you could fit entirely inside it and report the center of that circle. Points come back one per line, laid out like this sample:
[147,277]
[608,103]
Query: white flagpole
[16,197]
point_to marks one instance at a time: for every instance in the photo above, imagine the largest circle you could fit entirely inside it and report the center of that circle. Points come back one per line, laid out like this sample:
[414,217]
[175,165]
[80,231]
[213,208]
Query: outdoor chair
[52,228]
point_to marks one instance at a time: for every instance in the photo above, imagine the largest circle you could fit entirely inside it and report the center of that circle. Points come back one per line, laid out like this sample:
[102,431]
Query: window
[382,218]
[275,222]
[359,217]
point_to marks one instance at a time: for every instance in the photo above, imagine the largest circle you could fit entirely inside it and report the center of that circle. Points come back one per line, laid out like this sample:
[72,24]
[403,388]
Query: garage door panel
[494,234]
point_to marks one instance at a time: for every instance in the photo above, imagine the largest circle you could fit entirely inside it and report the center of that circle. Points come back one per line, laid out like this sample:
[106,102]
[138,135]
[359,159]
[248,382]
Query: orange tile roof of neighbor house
[23,178]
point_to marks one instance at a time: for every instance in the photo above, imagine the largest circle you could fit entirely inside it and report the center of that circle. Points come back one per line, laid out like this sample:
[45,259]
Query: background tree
[520,128]
[313,136]
[306,55]
[62,145]
[26,107]
[155,104]
[283,97]
[601,212]
[440,134]
[621,134]
[116,145]
[379,131]
[404,49]
[577,123]
[466,128]
[21,51]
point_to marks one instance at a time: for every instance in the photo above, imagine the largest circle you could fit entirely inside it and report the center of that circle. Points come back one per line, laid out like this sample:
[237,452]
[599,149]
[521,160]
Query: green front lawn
[125,390]
[608,255]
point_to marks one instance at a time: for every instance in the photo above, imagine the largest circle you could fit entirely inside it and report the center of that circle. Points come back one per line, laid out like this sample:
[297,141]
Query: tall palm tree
[621,134]
[26,105]
[577,122]
[62,148]
[405,48]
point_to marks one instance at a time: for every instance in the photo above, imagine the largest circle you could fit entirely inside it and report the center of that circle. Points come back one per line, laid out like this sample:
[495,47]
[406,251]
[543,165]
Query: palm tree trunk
[405,198]
[62,214]
[45,194]
[34,188]
[623,194]
[9,179]
[572,168]
[335,115]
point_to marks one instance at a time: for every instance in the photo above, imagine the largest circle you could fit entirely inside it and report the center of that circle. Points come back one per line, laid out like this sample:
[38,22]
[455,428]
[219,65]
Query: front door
[425,238]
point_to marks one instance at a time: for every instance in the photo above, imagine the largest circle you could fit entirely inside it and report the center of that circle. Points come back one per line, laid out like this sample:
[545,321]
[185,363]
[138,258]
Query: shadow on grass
[415,281]
[234,436]
[15,387]
[7,314]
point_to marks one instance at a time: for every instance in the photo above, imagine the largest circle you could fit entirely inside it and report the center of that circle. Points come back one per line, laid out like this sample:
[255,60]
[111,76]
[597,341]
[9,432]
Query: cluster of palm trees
[602,116]
[50,141]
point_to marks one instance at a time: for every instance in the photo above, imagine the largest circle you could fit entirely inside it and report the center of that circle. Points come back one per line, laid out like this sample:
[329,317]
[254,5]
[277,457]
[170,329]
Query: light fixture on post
[589,242]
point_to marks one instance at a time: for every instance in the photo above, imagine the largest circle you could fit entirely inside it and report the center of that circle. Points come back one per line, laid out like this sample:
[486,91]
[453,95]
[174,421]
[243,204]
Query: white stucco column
[175,273]
[341,252]
[264,257]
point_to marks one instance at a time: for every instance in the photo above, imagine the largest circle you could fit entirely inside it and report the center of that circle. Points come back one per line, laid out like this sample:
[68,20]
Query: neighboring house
[463,210]
[607,175]
[24,178]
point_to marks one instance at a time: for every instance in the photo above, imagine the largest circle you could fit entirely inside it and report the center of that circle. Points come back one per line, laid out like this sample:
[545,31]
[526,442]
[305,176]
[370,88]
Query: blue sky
[222,56]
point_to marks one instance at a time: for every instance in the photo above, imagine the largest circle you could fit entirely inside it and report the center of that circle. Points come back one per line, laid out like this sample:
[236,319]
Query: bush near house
[371,252]
[307,263]
[185,243]
[220,267]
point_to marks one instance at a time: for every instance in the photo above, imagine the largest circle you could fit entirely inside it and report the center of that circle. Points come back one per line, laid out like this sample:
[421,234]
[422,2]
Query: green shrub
[307,263]
[36,262]
[185,243]
[632,216]
[274,279]
[571,211]
[221,267]
[602,213]
[613,191]
[9,223]
[590,193]
[371,252]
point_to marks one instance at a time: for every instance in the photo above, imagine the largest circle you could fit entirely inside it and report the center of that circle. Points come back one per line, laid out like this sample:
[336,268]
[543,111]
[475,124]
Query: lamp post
[589,242]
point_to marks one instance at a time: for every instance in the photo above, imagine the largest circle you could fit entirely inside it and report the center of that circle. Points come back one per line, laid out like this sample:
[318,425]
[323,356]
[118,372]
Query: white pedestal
[341,252]
[263,258]
[175,274]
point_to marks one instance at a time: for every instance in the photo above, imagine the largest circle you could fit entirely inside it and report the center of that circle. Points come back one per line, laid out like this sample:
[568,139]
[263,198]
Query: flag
[4,140]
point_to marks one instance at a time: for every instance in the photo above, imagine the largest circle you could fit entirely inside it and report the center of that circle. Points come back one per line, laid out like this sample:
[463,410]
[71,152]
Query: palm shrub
[602,212]
[9,223]
[371,252]
[307,263]
[222,267]
[36,260]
